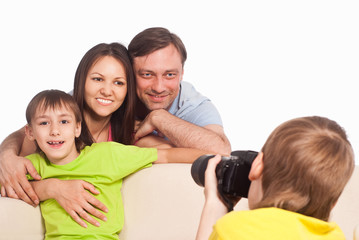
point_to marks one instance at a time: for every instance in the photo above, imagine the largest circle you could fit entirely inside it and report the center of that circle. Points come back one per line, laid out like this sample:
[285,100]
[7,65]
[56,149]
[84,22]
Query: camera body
[232,173]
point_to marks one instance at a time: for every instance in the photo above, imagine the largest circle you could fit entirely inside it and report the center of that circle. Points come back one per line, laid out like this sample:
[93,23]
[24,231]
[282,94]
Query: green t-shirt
[104,165]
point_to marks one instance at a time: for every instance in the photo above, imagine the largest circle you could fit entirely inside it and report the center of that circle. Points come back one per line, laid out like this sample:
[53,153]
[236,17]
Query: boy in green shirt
[54,123]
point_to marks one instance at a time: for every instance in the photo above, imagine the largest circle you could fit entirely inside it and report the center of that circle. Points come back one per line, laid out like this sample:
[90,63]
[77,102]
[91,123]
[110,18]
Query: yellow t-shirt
[104,165]
[273,223]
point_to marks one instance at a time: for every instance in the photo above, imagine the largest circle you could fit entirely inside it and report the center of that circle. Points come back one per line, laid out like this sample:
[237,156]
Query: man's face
[158,77]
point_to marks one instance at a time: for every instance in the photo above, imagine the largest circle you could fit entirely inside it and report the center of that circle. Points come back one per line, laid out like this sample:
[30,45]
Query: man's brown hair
[153,39]
[306,165]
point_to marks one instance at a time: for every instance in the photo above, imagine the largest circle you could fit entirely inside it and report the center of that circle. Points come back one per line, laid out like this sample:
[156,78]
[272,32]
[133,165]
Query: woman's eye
[64,121]
[119,83]
[97,79]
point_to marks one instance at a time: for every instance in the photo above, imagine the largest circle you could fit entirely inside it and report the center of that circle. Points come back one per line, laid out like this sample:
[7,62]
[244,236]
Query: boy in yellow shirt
[54,123]
[295,182]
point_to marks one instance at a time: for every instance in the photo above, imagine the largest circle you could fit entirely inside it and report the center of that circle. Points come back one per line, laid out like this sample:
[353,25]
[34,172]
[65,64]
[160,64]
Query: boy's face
[54,131]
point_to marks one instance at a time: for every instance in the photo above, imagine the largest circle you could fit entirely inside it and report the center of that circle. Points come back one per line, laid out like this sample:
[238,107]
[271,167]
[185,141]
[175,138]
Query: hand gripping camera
[232,174]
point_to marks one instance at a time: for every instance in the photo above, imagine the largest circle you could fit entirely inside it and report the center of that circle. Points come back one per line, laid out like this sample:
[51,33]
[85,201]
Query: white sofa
[161,202]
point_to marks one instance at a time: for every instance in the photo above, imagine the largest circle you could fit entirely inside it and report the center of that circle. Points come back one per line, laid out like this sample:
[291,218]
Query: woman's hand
[13,181]
[76,199]
[79,203]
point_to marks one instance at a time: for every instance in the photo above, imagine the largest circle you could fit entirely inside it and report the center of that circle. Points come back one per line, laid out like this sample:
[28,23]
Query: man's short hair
[153,39]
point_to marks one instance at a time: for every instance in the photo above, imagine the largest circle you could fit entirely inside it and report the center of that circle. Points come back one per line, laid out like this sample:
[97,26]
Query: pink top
[109,135]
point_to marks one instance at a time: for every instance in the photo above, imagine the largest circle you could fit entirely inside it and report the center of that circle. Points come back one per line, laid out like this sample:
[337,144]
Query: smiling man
[168,106]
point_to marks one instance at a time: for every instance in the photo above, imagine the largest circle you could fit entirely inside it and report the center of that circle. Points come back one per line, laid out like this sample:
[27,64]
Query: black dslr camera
[232,174]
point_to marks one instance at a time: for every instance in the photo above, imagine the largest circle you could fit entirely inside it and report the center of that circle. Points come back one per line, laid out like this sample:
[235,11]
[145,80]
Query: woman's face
[105,86]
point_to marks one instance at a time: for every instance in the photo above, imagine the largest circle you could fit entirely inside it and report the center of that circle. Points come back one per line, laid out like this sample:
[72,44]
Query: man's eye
[171,75]
[146,75]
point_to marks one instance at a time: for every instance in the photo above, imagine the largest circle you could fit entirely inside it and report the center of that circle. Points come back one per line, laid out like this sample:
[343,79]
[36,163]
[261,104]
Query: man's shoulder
[188,91]
[189,96]
[193,107]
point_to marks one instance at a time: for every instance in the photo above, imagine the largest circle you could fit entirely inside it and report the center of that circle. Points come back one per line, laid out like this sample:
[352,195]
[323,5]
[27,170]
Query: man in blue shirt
[169,106]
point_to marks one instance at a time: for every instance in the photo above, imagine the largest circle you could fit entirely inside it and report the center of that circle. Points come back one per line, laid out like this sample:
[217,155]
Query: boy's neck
[65,160]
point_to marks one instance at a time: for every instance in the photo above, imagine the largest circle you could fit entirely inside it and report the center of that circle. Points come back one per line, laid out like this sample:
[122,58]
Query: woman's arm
[179,155]
[73,196]
[13,168]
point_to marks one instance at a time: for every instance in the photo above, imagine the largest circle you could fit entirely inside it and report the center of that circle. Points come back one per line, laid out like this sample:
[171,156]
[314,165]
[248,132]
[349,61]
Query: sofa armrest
[18,220]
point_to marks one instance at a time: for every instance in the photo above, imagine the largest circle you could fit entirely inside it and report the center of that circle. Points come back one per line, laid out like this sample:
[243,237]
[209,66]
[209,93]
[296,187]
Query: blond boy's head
[306,163]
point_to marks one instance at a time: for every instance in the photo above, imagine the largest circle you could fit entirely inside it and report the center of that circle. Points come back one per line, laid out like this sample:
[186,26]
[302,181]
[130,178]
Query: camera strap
[225,200]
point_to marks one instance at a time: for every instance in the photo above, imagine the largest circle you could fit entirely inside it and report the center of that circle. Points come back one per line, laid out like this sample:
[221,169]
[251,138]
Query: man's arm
[73,197]
[151,141]
[185,134]
[13,168]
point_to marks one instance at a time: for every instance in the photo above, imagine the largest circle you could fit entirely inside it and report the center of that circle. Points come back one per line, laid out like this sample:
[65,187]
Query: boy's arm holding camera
[213,208]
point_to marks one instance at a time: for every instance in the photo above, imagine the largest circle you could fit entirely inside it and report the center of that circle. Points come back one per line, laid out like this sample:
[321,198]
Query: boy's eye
[44,123]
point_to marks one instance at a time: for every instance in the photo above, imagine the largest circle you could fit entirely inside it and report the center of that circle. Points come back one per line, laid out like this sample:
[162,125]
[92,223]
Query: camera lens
[198,169]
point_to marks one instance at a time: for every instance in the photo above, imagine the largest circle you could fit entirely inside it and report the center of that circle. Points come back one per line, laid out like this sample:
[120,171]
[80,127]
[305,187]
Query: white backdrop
[261,62]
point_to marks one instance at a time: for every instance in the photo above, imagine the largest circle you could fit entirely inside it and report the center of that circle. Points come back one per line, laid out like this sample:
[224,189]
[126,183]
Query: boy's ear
[29,133]
[257,167]
[78,129]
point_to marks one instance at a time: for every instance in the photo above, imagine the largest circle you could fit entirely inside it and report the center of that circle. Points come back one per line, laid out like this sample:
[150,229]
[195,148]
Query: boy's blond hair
[306,164]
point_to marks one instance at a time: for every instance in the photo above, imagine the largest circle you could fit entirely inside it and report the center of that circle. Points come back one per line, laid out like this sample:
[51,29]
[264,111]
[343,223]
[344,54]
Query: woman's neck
[98,127]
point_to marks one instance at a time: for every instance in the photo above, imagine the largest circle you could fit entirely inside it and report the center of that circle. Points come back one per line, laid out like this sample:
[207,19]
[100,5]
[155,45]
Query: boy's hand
[210,182]
[213,208]
[211,186]
[13,181]
[73,196]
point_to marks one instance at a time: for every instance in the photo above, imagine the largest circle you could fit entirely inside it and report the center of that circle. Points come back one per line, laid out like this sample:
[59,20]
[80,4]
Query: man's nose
[158,85]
